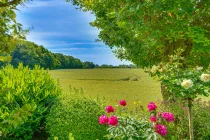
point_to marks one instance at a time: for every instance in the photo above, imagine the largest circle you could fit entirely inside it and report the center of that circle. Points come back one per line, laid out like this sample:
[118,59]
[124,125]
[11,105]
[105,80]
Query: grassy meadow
[111,84]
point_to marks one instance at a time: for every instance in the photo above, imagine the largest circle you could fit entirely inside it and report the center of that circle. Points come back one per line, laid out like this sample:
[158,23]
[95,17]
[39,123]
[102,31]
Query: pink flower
[168,116]
[113,121]
[151,106]
[123,102]
[103,119]
[153,119]
[161,129]
[109,109]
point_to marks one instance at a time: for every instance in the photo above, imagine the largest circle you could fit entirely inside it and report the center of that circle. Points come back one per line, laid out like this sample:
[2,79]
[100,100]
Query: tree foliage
[11,3]
[10,29]
[31,54]
[148,31]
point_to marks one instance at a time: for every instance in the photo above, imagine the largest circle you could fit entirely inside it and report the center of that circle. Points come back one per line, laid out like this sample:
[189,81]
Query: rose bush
[157,118]
[128,126]
[179,129]
[183,83]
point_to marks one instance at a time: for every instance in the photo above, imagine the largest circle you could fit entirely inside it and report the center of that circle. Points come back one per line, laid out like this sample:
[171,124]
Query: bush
[135,125]
[26,96]
[201,115]
[78,115]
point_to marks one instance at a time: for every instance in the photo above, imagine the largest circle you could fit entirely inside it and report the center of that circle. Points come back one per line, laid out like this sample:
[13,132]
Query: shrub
[75,114]
[201,115]
[131,126]
[26,96]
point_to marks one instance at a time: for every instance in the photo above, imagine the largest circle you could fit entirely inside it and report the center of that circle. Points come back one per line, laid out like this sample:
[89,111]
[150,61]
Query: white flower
[205,77]
[187,83]
[199,68]
[154,69]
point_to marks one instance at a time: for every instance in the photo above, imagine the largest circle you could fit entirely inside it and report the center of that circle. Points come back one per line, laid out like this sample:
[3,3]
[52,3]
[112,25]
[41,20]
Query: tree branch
[13,2]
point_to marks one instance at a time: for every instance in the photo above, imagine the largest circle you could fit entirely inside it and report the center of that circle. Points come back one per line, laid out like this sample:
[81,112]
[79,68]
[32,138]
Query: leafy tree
[146,32]
[10,30]
[31,54]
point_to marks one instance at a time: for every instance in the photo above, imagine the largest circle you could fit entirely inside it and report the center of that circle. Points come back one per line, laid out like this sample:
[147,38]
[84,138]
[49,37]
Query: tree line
[31,54]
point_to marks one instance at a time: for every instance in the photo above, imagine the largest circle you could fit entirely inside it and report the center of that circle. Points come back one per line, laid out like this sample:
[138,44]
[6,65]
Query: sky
[61,28]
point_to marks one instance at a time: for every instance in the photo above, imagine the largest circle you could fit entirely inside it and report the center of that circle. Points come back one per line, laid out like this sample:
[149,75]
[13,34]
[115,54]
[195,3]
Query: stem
[190,118]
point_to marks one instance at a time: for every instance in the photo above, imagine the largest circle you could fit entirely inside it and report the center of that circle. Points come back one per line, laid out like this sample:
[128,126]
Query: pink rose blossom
[113,121]
[109,109]
[103,119]
[161,129]
[168,116]
[153,119]
[123,102]
[151,106]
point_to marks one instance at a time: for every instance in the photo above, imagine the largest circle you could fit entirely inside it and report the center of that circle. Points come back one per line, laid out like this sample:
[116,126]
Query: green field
[112,84]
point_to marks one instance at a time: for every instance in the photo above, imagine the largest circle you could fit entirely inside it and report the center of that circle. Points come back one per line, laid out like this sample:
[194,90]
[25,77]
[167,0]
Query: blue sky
[61,28]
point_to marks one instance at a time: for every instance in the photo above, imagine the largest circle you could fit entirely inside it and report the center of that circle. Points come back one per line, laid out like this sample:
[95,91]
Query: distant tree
[96,66]
[31,54]
[88,65]
[104,66]
[61,58]
[78,63]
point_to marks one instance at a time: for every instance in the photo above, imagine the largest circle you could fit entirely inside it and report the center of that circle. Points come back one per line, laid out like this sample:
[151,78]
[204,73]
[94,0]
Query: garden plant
[25,99]
[75,114]
[127,126]
[183,83]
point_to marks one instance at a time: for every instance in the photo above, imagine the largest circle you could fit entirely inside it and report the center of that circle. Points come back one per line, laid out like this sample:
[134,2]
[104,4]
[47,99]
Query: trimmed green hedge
[25,98]
[78,115]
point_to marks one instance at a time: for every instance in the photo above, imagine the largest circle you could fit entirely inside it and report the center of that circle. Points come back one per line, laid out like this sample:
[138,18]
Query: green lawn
[112,84]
